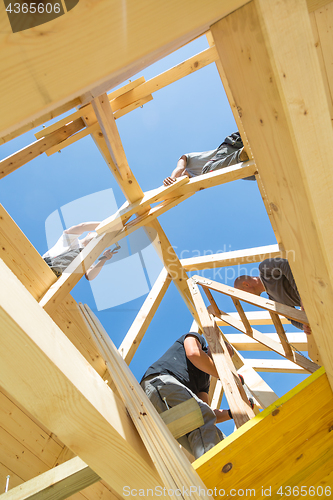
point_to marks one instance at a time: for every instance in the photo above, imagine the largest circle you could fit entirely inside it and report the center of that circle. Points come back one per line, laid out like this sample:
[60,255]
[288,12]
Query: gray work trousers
[225,156]
[198,441]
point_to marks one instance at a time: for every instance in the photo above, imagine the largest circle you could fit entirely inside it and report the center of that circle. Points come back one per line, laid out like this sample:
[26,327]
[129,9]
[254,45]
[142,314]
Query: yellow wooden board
[288,444]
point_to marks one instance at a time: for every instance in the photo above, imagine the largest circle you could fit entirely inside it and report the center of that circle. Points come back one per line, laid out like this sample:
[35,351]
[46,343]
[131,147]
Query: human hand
[307,329]
[108,254]
[168,181]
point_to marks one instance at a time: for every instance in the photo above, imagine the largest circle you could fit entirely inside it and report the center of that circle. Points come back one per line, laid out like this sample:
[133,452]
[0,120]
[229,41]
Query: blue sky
[190,115]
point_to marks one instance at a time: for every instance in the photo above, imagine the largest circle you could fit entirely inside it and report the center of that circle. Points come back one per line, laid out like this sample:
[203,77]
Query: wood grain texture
[268,54]
[289,443]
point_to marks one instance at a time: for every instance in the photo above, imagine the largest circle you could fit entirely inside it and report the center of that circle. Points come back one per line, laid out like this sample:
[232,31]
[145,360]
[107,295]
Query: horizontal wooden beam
[16,160]
[61,74]
[179,71]
[72,400]
[250,298]
[232,258]
[275,365]
[277,347]
[255,318]
[58,483]
[86,109]
[243,342]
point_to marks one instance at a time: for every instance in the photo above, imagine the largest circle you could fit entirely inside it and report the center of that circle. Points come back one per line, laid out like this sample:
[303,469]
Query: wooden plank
[282,335]
[22,258]
[250,298]
[138,104]
[72,400]
[61,74]
[183,418]
[324,18]
[281,85]
[72,139]
[261,456]
[260,390]
[139,326]
[94,127]
[68,318]
[232,258]
[174,470]
[89,254]
[122,100]
[41,120]
[234,391]
[15,161]
[217,394]
[116,221]
[222,176]
[255,318]
[56,484]
[296,357]
[317,40]
[80,113]
[25,431]
[237,113]
[243,317]
[242,342]
[274,365]
[170,76]
[106,120]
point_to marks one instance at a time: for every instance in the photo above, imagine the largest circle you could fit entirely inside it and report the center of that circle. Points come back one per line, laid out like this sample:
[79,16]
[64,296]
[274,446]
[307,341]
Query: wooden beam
[232,258]
[244,343]
[138,328]
[80,113]
[277,82]
[183,418]
[250,298]
[61,74]
[72,401]
[58,483]
[277,347]
[254,451]
[275,365]
[173,468]
[260,390]
[179,71]
[74,272]
[116,221]
[16,160]
[227,374]
[255,318]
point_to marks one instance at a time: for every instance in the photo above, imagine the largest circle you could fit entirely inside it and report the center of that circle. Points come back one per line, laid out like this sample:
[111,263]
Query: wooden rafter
[96,419]
[282,86]
[173,468]
[232,387]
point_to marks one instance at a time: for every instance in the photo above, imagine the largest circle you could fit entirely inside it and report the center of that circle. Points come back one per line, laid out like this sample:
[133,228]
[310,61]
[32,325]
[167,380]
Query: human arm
[95,269]
[177,172]
[198,357]
[82,228]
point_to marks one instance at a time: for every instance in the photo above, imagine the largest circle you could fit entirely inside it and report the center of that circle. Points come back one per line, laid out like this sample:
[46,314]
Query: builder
[181,373]
[230,152]
[277,280]
[69,246]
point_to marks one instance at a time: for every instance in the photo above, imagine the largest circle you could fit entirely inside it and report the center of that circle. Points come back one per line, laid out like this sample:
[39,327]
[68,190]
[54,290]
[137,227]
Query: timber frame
[274,58]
